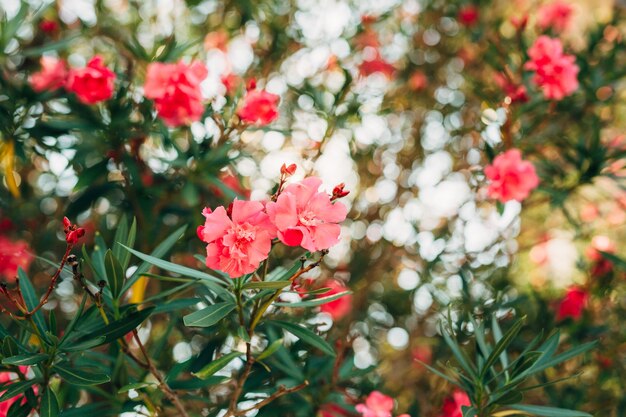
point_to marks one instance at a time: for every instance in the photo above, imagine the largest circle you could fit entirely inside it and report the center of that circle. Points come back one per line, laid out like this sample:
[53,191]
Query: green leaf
[79,377]
[49,406]
[457,352]
[306,335]
[538,410]
[216,365]
[121,236]
[263,285]
[115,274]
[9,347]
[31,300]
[501,346]
[159,251]
[117,329]
[21,360]
[178,269]
[271,349]
[80,346]
[468,411]
[135,386]
[208,316]
[316,301]
[16,389]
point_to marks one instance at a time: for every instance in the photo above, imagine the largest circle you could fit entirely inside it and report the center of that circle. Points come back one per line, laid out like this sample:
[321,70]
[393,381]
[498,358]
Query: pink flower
[573,304]
[452,406]
[556,16]
[93,83]
[511,178]
[8,377]
[237,241]
[468,15]
[305,217]
[175,89]
[376,404]
[555,72]
[259,107]
[13,255]
[338,308]
[52,75]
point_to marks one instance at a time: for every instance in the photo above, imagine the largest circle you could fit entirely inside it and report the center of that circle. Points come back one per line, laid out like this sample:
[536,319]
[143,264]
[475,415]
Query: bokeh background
[403,101]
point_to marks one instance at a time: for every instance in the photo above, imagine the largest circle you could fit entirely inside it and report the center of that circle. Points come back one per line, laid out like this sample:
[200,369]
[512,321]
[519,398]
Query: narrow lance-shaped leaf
[216,365]
[208,316]
[537,410]
[306,335]
[115,274]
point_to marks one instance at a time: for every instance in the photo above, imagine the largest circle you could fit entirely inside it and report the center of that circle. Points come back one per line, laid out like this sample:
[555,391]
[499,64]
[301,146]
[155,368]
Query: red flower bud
[72,231]
[288,170]
[338,191]
[251,84]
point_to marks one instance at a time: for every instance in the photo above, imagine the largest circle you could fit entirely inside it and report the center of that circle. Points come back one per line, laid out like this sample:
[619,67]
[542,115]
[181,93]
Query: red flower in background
[51,76]
[418,81]
[511,178]
[340,307]
[452,406]
[601,265]
[48,26]
[259,107]
[175,89]
[555,72]
[13,255]
[573,304]
[556,16]
[377,65]
[376,404]
[93,83]
[468,15]
[233,183]
[9,377]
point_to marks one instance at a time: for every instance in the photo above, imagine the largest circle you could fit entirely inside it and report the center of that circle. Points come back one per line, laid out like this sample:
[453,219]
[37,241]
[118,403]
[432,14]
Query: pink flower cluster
[240,238]
[91,84]
[175,89]
[377,404]
[555,72]
[13,255]
[511,178]
[556,16]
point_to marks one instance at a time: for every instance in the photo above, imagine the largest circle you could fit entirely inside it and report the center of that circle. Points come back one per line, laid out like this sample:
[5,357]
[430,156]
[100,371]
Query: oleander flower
[468,15]
[306,217]
[238,240]
[511,178]
[376,404]
[8,377]
[452,406]
[556,16]
[13,255]
[93,83]
[175,89]
[555,72]
[338,308]
[259,107]
[51,76]
[572,304]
